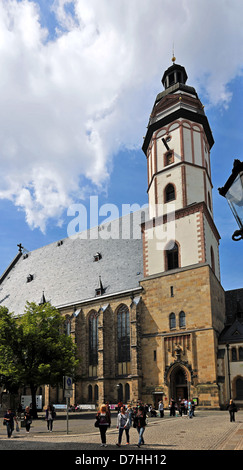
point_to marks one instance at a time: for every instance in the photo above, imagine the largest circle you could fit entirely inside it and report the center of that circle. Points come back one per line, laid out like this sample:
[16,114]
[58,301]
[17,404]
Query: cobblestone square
[206,431]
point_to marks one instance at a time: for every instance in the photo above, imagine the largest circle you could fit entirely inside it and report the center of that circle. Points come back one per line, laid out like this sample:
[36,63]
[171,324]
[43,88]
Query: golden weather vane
[173,55]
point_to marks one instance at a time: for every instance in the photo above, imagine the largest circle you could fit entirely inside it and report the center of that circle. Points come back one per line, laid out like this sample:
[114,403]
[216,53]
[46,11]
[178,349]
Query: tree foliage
[34,348]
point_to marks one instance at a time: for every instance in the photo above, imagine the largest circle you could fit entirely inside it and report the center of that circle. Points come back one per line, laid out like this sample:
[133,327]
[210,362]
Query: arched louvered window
[169,193]
[172,257]
[123,340]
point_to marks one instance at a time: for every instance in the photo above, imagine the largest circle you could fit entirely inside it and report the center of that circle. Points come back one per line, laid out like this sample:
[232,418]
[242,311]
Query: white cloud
[67,105]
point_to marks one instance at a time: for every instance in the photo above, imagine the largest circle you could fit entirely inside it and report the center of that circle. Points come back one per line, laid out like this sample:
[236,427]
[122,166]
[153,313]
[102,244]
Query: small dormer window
[97,256]
[30,278]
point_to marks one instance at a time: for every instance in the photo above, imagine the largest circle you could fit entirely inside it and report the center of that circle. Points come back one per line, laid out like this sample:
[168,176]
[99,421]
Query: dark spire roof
[174,74]
[100,290]
[43,300]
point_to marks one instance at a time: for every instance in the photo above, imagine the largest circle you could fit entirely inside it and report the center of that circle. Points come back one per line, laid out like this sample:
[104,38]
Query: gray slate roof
[68,273]
[232,333]
[234,304]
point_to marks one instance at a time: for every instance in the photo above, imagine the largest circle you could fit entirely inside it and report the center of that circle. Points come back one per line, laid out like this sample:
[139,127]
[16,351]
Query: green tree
[34,348]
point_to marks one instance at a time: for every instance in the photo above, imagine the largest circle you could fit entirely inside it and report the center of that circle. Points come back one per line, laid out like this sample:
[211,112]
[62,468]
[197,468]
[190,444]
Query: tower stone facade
[184,309]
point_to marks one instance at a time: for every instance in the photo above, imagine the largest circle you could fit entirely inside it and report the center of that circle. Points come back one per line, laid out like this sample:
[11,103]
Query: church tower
[183,300]
[181,231]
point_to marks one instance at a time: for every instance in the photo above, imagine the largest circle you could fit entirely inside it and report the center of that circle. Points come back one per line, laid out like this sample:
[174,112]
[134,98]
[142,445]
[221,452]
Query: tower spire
[173,54]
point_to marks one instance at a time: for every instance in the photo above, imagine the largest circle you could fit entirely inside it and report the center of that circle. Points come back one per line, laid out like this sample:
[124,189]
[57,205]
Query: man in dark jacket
[9,419]
[140,423]
[232,409]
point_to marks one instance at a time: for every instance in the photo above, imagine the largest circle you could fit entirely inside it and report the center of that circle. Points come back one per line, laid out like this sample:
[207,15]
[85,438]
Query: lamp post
[233,192]
[228,362]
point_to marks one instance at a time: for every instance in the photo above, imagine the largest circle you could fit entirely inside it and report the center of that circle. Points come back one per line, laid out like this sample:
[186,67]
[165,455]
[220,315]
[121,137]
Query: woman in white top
[122,423]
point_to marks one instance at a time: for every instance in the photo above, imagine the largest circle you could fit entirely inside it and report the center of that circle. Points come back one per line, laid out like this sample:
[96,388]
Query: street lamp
[233,192]
[228,361]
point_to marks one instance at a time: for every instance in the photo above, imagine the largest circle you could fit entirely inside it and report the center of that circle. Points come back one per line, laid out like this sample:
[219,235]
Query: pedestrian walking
[172,407]
[139,424]
[232,410]
[129,413]
[27,418]
[103,421]
[190,409]
[161,409]
[9,419]
[50,416]
[122,424]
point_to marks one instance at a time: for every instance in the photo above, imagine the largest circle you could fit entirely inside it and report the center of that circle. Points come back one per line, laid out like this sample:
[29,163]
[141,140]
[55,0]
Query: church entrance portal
[178,384]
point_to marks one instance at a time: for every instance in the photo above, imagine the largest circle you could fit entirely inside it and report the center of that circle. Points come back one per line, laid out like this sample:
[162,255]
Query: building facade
[230,350]
[147,311]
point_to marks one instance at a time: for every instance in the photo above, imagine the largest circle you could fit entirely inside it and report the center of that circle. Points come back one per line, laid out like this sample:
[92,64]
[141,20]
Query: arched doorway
[179,382]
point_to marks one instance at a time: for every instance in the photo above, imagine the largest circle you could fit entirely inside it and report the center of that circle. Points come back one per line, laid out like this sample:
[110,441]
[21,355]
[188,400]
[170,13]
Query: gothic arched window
[239,388]
[172,321]
[96,392]
[127,393]
[172,257]
[169,193]
[234,354]
[93,344]
[182,320]
[119,392]
[123,340]
[240,354]
[90,393]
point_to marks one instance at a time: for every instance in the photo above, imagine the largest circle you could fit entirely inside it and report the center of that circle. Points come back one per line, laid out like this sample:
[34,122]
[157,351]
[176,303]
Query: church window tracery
[123,340]
[93,343]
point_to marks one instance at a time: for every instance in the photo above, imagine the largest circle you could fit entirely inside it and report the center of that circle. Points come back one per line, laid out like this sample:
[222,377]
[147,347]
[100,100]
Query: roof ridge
[10,266]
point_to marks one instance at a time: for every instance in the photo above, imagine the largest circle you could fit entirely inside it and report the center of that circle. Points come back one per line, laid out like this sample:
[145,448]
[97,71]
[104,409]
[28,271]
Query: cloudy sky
[78,80]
